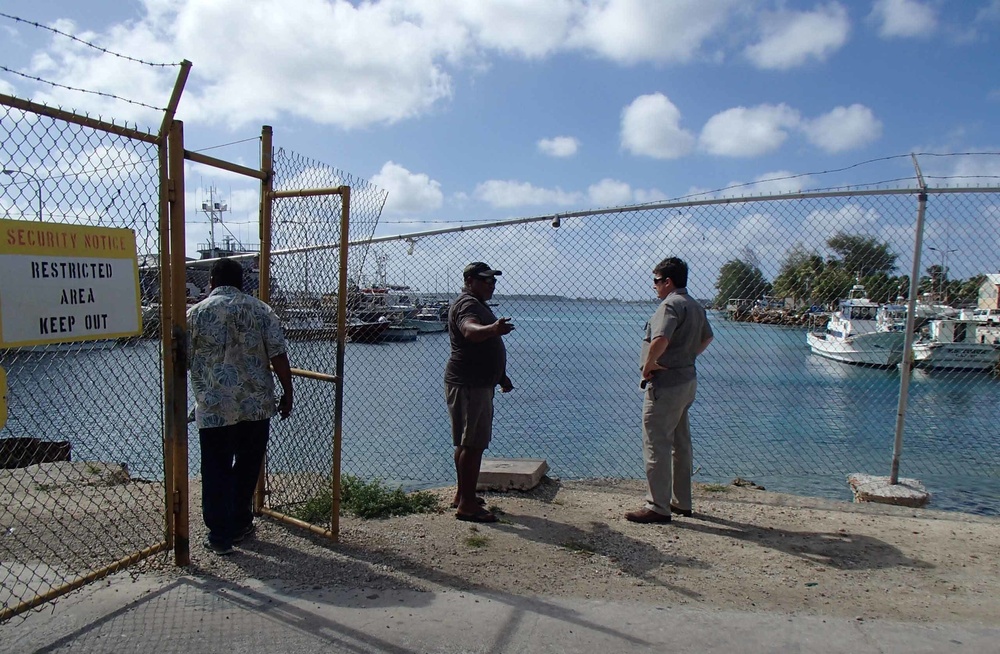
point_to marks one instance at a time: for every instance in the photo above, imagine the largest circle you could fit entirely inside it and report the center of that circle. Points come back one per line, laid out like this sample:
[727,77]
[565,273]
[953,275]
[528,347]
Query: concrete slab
[192,615]
[511,474]
[869,488]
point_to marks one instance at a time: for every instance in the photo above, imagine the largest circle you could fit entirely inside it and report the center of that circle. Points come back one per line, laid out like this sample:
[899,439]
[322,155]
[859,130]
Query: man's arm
[704,345]
[284,372]
[656,349]
[476,333]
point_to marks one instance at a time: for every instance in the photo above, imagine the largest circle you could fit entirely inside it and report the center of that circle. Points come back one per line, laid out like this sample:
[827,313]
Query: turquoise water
[767,410]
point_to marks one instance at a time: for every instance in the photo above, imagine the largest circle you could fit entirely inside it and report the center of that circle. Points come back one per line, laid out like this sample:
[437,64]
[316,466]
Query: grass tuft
[580,548]
[715,488]
[476,540]
[366,499]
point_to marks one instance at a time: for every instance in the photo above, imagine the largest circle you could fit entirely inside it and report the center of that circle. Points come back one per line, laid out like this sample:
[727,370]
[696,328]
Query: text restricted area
[64,283]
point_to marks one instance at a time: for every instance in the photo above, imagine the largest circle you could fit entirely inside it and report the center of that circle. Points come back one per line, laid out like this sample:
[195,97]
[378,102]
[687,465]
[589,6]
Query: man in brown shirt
[478,363]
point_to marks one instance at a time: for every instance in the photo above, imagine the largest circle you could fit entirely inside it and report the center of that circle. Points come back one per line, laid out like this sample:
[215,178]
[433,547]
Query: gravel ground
[744,549]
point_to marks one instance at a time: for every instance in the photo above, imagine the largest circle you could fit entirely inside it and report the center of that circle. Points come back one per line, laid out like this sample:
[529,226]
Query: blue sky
[485,110]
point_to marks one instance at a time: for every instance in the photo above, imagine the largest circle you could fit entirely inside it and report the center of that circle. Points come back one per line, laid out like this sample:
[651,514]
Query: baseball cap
[480,270]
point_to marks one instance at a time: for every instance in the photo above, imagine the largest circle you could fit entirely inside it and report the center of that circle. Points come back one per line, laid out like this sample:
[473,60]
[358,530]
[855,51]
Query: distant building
[989,292]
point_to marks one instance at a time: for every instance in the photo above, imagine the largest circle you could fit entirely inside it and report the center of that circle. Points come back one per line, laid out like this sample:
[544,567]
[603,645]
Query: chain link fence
[97,403]
[305,272]
[578,288]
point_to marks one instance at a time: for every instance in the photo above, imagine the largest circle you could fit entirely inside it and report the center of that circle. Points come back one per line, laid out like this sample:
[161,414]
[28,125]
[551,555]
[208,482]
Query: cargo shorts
[471,411]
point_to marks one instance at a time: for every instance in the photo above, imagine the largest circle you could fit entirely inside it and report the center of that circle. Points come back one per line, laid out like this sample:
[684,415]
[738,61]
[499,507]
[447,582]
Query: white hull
[956,356]
[883,349]
[425,326]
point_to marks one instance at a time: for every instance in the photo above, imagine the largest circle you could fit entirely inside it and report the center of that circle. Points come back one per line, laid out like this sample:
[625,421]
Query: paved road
[194,615]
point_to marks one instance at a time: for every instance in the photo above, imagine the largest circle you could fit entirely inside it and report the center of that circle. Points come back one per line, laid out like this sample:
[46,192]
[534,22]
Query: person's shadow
[633,557]
[840,550]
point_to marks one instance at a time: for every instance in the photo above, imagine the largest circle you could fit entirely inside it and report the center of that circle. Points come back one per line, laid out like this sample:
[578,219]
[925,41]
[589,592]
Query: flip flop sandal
[481,500]
[480,516]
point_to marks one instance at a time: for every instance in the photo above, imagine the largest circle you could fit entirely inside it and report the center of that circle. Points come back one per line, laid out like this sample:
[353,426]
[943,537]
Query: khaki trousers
[666,440]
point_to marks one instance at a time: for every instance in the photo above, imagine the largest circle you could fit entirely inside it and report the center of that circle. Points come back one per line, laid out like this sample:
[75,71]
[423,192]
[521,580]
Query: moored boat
[399,334]
[855,334]
[427,320]
[956,345]
[361,331]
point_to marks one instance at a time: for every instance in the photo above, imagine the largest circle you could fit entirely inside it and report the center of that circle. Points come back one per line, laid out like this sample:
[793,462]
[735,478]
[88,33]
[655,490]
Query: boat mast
[214,210]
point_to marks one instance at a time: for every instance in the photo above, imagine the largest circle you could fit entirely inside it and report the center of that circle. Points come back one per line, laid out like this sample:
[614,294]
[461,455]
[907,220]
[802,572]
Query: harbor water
[767,409]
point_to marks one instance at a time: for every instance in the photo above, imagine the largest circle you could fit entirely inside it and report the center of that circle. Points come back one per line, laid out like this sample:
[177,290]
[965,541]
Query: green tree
[798,274]
[862,255]
[882,288]
[739,279]
[966,292]
[832,284]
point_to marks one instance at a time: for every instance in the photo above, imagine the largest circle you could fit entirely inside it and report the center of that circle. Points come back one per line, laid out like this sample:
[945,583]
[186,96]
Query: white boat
[427,320]
[956,345]
[858,334]
[301,323]
[399,334]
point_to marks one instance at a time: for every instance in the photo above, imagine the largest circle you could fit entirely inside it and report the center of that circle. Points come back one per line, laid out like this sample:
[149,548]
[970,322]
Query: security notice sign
[63,283]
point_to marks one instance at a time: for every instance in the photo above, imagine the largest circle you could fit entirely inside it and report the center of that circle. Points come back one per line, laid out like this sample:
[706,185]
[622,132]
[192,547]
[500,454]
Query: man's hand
[650,368]
[285,405]
[506,385]
[502,327]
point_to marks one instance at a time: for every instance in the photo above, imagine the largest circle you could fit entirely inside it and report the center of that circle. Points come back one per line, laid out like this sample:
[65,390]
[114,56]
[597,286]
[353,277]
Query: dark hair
[227,272]
[675,269]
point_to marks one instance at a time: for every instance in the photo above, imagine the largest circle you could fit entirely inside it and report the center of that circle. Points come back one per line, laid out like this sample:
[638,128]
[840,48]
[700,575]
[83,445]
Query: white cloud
[407,192]
[523,27]
[903,18]
[843,128]
[609,193]
[743,132]
[650,126]
[614,193]
[643,196]
[560,146]
[790,39]
[990,11]
[631,31]
[510,193]
[327,61]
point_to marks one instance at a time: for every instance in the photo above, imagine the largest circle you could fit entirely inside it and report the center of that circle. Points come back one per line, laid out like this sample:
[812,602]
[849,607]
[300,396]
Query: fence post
[178,311]
[905,365]
[338,403]
[264,269]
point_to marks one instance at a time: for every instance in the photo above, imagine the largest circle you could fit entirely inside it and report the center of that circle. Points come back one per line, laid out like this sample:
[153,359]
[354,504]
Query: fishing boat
[956,345]
[363,331]
[399,334]
[428,320]
[855,334]
[306,324]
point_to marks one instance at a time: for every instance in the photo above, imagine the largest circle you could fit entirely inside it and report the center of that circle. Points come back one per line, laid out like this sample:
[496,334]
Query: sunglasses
[488,280]
[660,280]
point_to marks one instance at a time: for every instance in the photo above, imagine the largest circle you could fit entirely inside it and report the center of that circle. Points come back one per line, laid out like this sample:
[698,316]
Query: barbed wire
[86,43]
[226,145]
[73,88]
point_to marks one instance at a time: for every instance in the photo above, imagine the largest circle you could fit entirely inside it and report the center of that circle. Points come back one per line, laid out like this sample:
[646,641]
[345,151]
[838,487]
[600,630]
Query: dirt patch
[744,549]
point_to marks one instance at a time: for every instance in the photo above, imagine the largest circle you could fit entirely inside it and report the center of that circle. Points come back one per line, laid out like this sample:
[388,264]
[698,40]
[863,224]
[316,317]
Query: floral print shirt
[232,338]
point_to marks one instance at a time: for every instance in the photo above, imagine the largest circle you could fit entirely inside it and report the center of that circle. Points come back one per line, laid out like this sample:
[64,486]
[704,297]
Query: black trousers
[231,458]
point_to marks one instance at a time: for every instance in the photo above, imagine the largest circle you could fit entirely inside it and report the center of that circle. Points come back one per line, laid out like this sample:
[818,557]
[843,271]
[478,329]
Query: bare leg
[458,475]
[469,461]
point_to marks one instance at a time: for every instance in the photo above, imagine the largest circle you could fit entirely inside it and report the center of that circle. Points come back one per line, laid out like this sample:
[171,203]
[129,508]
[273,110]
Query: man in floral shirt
[232,337]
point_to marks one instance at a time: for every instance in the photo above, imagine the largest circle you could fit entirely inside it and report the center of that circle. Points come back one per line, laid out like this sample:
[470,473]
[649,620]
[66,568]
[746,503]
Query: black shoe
[246,533]
[687,513]
[646,516]
[222,549]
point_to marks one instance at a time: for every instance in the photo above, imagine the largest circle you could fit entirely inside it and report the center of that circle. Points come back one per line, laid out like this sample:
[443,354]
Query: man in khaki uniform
[676,334]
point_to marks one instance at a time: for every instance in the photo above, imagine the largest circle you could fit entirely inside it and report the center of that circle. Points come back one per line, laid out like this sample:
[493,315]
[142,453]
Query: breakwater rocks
[780,317]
